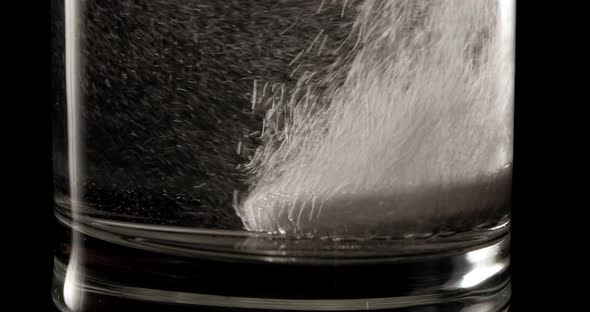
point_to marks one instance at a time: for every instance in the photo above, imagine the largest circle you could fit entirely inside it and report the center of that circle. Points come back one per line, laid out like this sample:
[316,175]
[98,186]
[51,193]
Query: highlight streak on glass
[72,294]
[505,64]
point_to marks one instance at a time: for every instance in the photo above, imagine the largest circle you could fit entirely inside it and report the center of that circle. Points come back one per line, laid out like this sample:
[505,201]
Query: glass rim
[270,247]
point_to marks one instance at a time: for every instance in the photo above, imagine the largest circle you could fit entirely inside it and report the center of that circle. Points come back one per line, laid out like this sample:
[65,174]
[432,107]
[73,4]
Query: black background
[549,167]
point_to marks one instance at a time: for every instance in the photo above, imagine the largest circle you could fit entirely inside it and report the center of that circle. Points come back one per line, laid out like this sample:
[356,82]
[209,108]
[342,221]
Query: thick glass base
[114,266]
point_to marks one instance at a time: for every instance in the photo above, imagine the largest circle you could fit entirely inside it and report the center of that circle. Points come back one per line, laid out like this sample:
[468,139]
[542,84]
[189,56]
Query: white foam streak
[426,103]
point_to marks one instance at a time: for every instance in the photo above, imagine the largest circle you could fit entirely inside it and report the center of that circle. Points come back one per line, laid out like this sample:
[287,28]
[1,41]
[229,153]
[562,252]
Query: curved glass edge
[495,297]
[197,242]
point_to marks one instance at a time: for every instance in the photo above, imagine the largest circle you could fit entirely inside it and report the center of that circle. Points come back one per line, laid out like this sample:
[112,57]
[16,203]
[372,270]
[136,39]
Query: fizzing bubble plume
[417,133]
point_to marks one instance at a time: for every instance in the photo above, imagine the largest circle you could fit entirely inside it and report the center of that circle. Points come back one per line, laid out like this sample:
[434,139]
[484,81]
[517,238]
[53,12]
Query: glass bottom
[102,265]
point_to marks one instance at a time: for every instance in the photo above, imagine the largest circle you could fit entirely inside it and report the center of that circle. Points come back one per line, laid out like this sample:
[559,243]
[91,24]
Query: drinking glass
[282,155]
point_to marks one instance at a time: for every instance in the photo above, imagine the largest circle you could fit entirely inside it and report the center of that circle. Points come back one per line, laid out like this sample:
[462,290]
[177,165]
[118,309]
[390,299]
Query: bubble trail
[418,133]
